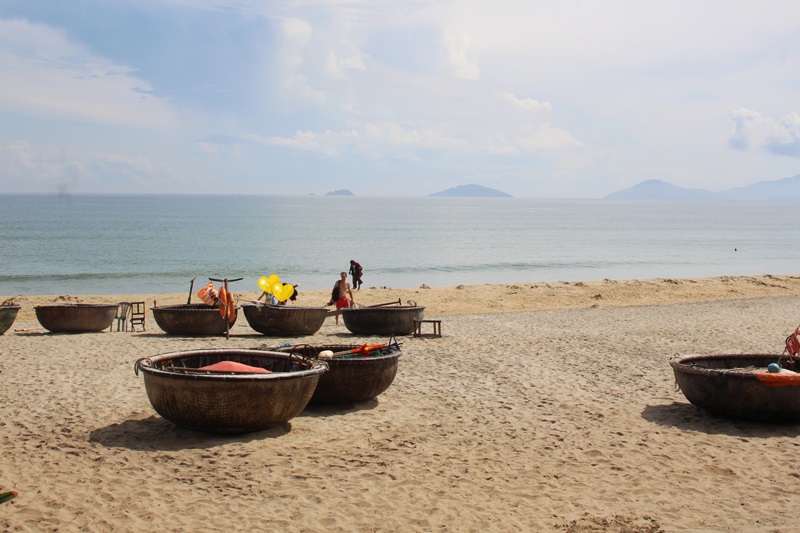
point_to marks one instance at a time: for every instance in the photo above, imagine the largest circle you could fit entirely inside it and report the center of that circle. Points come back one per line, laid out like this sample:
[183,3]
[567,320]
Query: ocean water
[126,244]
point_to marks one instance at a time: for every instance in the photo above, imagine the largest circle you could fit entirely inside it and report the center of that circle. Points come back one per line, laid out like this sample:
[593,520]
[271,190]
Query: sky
[536,98]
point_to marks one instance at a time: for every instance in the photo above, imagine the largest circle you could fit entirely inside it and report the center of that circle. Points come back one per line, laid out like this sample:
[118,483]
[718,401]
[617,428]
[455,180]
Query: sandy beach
[544,407]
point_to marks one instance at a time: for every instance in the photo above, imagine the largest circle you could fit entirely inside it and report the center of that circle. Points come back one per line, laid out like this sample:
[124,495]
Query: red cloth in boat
[233,366]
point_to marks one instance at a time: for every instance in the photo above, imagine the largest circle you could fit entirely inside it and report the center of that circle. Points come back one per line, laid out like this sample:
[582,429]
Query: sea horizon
[139,243]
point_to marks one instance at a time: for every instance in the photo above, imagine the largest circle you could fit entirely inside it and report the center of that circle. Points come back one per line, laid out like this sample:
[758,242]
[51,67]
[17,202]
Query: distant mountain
[340,192]
[472,190]
[660,190]
[782,189]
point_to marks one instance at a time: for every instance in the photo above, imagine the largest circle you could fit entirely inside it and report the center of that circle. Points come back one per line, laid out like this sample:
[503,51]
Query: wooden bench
[437,328]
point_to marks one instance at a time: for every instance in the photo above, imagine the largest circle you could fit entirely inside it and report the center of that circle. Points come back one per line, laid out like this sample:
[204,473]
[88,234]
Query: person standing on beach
[356,271]
[341,289]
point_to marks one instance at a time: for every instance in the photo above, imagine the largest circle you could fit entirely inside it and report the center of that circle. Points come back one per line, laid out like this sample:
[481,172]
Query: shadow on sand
[687,416]
[155,433]
[316,411]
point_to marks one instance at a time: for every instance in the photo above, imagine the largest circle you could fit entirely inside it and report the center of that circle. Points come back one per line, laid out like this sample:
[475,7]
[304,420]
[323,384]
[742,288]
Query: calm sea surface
[135,244]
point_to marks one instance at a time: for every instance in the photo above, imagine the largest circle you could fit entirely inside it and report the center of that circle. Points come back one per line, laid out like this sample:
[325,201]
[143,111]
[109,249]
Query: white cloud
[23,169]
[337,66]
[17,161]
[598,92]
[548,138]
[296,35]
[46,74]
[527,104]
[462,63]
[309,141]
[389,139]
[753,129]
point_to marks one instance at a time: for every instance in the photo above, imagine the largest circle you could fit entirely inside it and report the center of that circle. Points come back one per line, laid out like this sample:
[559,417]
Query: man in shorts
[342,287]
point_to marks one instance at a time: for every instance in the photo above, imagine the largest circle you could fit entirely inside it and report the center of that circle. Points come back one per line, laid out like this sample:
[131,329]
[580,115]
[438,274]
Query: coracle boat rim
[386,309]
[145,364]
[283,307]
[394,351]
[187,307]
[68,306]
[685,363]
[10,307]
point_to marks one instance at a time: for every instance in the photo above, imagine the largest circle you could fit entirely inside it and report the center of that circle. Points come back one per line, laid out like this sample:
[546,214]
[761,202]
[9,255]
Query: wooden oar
[398,302]
[191,287]
[339,311]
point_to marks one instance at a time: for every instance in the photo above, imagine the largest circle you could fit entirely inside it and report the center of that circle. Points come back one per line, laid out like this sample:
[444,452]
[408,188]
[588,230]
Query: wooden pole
[227,324]
[191,288]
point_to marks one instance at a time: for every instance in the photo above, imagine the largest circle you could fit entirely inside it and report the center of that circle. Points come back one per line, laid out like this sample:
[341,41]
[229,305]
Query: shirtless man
[343,288]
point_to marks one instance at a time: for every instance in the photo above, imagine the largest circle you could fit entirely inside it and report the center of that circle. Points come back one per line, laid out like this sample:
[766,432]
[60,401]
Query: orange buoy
[231,308]
[223,302]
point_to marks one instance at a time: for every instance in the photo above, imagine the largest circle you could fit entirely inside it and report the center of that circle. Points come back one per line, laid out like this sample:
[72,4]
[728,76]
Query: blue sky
[546,99]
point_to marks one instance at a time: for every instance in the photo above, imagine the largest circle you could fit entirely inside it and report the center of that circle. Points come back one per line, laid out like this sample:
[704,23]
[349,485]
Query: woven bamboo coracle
[76,318]
[284,320]
[8,313]
[224,402]
[394,320]
[350,379]
[191,320]
[729,385]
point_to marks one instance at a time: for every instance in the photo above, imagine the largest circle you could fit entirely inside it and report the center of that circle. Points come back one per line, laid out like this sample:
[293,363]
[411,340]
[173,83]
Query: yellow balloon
[276,289]
[273,279]
[286,292]
[263,284]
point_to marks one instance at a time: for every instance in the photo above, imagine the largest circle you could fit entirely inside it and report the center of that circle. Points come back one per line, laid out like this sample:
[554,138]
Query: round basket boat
[191,320]
[739,386]
[351,379]
[395,320]
[284,320]
[223,402]
[76,318]
[8,313]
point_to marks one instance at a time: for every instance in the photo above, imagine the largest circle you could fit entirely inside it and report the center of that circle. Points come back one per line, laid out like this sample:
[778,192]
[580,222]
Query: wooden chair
[123,310]
[137,315]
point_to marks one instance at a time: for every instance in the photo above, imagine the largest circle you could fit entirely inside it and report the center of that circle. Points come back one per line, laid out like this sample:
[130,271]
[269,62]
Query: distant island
[782,189]
[340,192]
[473,191]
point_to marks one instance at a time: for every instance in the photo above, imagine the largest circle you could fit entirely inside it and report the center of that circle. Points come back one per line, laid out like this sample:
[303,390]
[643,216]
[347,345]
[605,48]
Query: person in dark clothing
[334,293]
[356,271]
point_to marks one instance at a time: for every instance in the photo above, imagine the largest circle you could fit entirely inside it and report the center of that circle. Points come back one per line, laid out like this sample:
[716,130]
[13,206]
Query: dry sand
[544,407]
